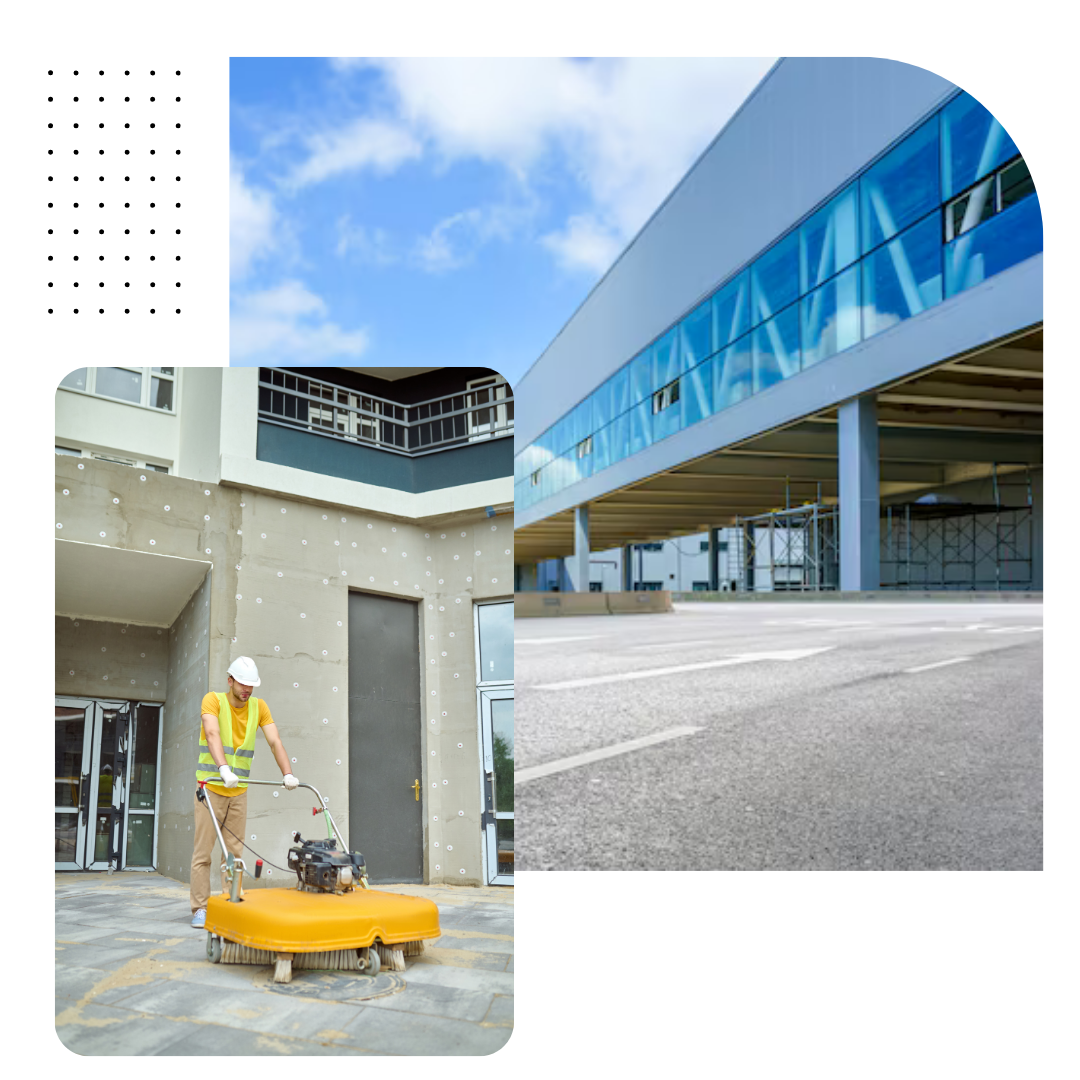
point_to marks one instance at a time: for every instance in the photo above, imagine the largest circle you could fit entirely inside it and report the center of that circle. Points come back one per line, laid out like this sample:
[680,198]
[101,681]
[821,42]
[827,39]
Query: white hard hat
[244,671]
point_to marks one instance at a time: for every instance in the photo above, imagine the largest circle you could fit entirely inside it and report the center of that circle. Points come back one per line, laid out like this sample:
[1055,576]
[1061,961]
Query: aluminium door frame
[489,837]
[81,827]
[117,792]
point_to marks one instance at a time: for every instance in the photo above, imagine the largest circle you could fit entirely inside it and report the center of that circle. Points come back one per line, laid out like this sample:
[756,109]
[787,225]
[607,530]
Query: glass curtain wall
[947,207]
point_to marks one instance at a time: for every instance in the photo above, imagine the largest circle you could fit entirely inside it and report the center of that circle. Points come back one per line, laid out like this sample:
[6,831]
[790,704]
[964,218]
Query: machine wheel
[213,948]
[372,965]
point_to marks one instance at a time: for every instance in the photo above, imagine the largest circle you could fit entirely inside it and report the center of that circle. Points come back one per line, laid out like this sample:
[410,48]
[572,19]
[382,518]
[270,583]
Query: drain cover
[333,985]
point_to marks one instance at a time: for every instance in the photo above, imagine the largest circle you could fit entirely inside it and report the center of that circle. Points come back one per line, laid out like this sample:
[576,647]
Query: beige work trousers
[231,814]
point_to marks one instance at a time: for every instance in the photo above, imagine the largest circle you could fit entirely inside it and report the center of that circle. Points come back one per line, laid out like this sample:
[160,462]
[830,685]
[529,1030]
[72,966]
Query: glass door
[497,729]
[74,739]
[109,759]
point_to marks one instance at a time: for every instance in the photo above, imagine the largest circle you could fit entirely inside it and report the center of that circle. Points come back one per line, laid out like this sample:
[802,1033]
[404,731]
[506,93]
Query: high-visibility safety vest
[238,758]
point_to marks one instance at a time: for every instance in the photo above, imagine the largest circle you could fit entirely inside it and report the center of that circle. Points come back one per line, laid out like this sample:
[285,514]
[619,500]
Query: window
[721,545]
[649,547]
[997,192]
[584,448]
[665,397]
[115,457]
[535,478]
[150,387]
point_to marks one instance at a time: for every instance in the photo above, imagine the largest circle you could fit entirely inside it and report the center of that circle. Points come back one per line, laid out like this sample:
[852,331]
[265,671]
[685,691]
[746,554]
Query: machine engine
[321,867]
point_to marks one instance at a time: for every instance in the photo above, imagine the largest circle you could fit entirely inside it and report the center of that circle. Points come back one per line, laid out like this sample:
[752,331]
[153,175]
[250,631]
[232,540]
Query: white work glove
[290,781]
[228,777]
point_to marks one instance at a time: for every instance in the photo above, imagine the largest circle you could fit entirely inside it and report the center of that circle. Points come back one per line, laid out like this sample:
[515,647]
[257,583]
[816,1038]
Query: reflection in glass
[641,376]
[776,349]
[161,393]
[641,426]
[76,380]
[1016,183]
[1004,240]
[971,209]
[830,318]
[903,278]
[118,383]
[66,832]
[666,359]
[102,828]
[731,310]
[144,759]
[140,841]
[732,375]
[774,279]
[70,732]
[504,841]
[901,187]
[502,742]
[667,415]
[696,336]
[496,642]
[829,241]
[696,397]
[973,143]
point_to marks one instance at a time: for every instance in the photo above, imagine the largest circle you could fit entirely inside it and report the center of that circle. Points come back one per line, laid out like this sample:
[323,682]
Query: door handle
[416,789]
[84,797]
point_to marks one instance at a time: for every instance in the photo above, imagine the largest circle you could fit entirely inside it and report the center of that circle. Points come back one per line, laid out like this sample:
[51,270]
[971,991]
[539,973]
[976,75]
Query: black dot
[50,284]
[127,125]
[50,204]
[177,125]
[127,177]
[177,232]
[178,284]
[101,284]
[76,178]
[127,72]
[151,284]
[177,99]
[101,125]
[127,99]
[50,99]
[178,151]
[153,72]
[50,177]
[127,284]
[151,311]
[50,232]
[76,151]
[176,73]
[177,258]
[76,311]
[126,310]
[76,73]
[50,150]
[153,177]
[76,205]
[153,99]
[50,309]
[101,204]
[76,284]
[152,205]
[127,151]
[178,178]
[76,232]
[101,72]
[74,99]
[153,125]
[101,311]
[75,257]
[153,151]
[102,151]
[75,125]
[101,99]
[50,72]
[127,204]
[177,311]
[50,258]
[177,206]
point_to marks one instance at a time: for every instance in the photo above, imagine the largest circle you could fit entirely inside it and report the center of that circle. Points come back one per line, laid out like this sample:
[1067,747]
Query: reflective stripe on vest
[235,757]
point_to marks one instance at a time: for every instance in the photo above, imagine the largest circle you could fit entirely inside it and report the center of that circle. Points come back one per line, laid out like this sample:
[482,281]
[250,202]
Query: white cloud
[585,244]
[369,245]
[626,130]
[287,324]
[454,241]
[364,143]
[252,220]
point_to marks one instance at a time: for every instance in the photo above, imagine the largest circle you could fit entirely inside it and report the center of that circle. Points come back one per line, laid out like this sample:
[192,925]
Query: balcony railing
[476,414]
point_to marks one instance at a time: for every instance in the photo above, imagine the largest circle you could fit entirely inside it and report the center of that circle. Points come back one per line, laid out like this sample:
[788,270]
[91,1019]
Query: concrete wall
[110,660]
[189,665]
[201,423]
[811,124]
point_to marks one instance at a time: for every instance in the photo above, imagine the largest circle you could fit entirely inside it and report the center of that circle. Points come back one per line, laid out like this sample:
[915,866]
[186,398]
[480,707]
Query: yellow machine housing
[292,921]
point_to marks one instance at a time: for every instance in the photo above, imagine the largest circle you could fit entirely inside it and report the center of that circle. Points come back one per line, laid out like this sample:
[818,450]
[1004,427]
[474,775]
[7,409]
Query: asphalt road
[781,736]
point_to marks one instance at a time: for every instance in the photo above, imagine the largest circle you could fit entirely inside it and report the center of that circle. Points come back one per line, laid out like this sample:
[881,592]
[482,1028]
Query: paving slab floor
[132,978]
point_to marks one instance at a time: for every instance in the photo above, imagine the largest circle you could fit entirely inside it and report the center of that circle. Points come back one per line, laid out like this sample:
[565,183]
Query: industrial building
[350,530]
[820,360]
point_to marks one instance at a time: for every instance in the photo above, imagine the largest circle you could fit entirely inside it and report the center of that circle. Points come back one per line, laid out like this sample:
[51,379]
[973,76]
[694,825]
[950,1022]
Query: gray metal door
[385,759]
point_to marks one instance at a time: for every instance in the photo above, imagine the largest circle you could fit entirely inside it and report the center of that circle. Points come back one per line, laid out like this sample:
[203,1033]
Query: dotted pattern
[111,191]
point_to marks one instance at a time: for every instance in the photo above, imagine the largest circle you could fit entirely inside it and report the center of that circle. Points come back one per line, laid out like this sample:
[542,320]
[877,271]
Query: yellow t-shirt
[211,704]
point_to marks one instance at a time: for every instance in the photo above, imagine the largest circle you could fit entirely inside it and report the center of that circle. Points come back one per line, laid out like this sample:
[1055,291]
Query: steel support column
[628,568]
[860,529]
[577,566]
[714,560]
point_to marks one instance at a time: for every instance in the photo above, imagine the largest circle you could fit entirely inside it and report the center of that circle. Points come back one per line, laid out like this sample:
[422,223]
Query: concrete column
[578,565]
[714,560]
[628,568]
[860,503]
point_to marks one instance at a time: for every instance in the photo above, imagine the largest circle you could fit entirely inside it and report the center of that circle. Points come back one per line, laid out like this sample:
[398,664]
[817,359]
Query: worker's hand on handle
[228,777]
[290,781]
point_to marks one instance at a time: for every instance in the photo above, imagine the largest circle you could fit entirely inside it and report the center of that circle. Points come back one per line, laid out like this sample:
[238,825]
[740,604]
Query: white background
[751,975]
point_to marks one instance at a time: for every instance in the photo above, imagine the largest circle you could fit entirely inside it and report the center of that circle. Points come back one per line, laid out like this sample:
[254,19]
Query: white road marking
[675,644]
[939,663]
[746,658]
[1015,630]
[554,640]
[562,764]
[958,629]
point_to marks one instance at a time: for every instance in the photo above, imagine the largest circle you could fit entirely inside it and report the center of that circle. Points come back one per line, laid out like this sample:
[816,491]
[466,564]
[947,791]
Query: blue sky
[447,211]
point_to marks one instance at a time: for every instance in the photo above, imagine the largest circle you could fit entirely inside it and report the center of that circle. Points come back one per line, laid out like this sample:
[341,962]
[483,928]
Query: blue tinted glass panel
[562,435]
[585,466]
[695,393]
[776,349]
[830,318]
[973,143]
[641,426]
[667,421]
[602,448]
[903,278]
[581,421]
[620,390]
[619,438]
[829,241]
[774,279]
[569,468]
[901,187]
[666,359]
[696,336]
[731,310]
[1007,238]
[732,380]
[602,413]
[641,376]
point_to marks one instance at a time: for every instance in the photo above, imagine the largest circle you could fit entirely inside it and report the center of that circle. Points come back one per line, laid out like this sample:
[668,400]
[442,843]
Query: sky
[436,212]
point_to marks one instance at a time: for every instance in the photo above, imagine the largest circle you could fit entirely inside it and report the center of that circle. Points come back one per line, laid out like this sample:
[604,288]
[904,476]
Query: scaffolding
[963,546]
[792,550]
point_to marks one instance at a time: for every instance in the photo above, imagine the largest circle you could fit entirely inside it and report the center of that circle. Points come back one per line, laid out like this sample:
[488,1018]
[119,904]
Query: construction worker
[226,748]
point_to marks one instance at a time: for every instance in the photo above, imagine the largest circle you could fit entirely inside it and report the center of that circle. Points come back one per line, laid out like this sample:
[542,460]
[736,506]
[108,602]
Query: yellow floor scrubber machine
[330,921]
